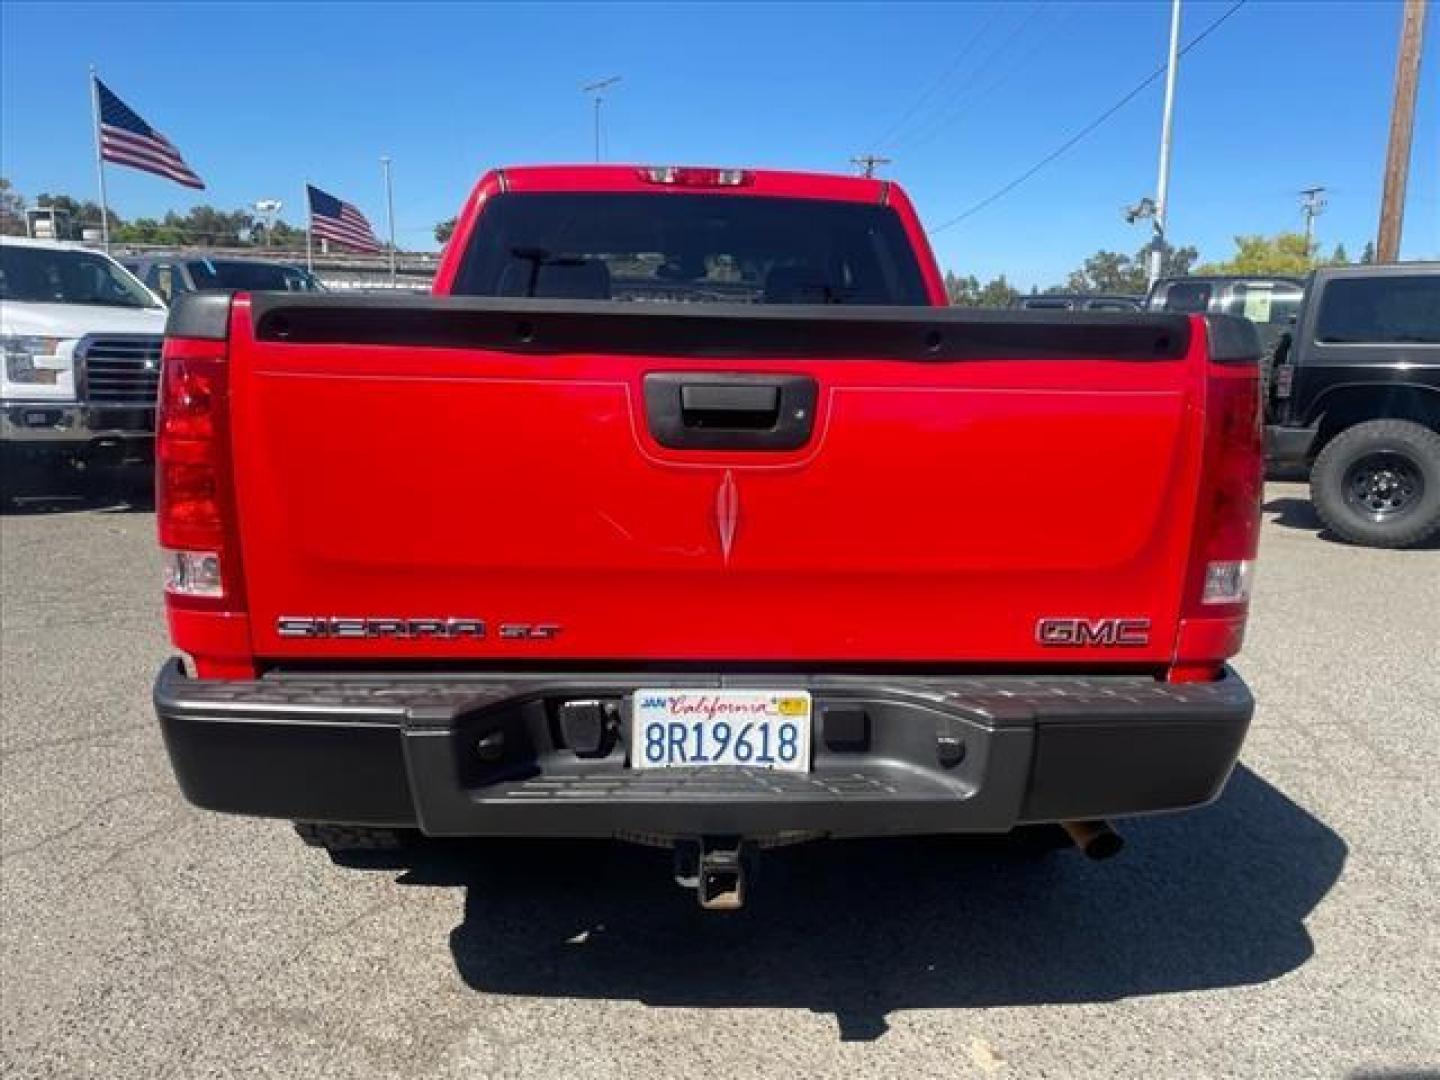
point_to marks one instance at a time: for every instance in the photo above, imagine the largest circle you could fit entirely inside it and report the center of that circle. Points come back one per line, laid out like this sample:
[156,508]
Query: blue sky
[1284,95]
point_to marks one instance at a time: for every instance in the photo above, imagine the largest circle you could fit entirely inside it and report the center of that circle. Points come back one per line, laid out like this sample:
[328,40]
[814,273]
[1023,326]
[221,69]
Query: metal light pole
[598,89]
[269,209]
[390,213]
[1162,185]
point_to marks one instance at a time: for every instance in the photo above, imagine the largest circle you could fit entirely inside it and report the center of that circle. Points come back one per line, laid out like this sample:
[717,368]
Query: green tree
[82,215]
[968,292]
[997,292]
[285,236]
[1108,272]
[1339,257]
[1177,262]
[12,210]
[1367,256]
[1114,272]
[961,291]
[1283,253]
[208,226]
[146,231]
[444,230]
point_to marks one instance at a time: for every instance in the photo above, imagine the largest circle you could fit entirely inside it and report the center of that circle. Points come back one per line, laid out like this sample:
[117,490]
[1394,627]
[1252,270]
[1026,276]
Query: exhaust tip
[1095,839]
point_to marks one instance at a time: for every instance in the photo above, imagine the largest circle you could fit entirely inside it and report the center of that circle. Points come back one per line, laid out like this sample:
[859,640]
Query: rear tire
[1378,484]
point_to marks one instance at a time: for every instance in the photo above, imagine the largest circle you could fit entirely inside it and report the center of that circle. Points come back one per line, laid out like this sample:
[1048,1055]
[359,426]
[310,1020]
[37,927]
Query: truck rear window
[690,248]
[1389,309]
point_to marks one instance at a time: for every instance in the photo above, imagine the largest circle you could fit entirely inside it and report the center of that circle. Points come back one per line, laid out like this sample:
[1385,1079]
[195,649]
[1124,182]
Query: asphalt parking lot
[1285,931]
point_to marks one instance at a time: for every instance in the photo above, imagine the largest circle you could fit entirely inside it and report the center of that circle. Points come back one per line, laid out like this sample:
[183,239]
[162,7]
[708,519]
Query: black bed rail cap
[204,315]
[1233,340]
[923,334]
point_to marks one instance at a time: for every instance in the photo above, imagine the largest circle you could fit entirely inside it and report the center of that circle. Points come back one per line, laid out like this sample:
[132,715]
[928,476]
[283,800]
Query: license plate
[765,729]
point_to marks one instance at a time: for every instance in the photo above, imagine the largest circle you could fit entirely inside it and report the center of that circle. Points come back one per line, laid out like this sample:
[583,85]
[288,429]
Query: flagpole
[309,232]
[99,162]
[390,210]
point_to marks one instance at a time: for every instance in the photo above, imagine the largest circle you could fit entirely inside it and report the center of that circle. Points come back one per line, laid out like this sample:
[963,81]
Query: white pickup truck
[81,342]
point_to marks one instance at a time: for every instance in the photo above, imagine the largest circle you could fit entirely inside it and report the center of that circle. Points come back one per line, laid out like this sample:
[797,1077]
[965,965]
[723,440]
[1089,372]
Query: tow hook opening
[1095,839]
[717,868]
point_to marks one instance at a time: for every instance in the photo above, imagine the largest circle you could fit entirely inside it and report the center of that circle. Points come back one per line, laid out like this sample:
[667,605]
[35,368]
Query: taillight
[195,506]
[1227,525]
[689,176]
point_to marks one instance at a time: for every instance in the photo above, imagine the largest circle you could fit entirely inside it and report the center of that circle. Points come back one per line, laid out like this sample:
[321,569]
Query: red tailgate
[936,511]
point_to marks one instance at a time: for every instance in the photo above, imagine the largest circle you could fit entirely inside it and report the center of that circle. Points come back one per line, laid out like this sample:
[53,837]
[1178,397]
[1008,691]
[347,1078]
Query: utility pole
[1312,205]
[598,89]
[1402,127]
[1162,185]
[869,162]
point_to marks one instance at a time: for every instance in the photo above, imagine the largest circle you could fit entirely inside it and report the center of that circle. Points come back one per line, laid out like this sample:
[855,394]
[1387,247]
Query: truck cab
[1354,399]
[81,339]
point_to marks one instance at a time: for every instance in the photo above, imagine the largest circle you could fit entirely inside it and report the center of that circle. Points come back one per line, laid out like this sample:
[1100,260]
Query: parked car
[81,339]
[1270,302]
[171,275]
[1355,399]
[1080,302]
[724,565]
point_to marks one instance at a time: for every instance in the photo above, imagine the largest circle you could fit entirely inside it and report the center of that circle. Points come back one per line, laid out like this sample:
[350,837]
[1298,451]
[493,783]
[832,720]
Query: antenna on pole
[598,90]
[1312,205]
[869,162]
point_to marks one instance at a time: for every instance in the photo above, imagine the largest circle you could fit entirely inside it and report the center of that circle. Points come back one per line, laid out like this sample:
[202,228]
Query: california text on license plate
[766,729]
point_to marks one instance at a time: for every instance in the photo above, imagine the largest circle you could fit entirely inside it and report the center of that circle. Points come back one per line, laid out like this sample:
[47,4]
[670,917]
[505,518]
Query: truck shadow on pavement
[1298,513]
[860,929]
[1295,513]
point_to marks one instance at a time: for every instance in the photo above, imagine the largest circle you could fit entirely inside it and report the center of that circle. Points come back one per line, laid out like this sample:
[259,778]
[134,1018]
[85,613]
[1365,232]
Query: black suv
[1354,396]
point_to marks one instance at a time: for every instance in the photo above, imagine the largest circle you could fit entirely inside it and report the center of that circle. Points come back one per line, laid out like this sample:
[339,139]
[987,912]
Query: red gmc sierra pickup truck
[686,512]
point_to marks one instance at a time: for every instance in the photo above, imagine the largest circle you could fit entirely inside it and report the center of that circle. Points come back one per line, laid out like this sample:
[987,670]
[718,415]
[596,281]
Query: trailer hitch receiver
[716,868]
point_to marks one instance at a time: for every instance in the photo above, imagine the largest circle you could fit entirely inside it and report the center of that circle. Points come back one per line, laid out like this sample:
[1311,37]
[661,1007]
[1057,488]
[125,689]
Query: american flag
[332,219]
[126,139]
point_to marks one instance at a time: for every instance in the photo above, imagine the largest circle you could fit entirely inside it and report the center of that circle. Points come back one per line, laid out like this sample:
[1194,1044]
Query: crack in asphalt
[96,738]
[90,814]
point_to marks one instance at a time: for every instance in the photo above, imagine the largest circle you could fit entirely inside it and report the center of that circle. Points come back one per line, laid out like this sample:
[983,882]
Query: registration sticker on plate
[767,729]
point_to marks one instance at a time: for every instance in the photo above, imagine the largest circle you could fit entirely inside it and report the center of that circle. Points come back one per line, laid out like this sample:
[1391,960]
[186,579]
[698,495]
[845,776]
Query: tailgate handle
[753,406]
[730,412]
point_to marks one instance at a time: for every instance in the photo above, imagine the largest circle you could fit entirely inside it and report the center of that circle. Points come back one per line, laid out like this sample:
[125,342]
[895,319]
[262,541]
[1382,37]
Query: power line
[966,93]
[1087,129]
[929,92]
